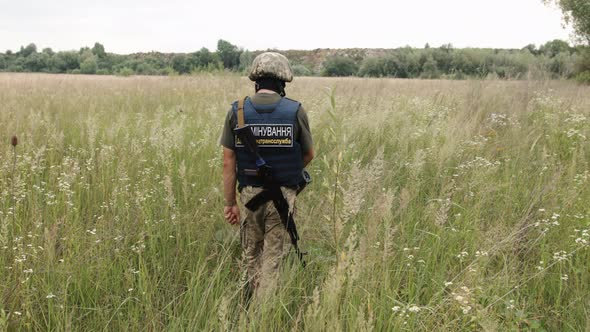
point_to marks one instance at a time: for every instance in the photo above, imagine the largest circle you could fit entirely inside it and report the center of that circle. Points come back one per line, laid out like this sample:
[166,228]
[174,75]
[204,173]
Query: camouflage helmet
[271,64]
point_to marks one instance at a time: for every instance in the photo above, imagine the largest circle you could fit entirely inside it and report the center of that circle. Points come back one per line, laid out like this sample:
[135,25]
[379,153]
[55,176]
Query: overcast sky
[127,26]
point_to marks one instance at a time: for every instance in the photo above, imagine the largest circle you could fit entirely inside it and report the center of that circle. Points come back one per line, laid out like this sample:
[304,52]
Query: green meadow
[435,206]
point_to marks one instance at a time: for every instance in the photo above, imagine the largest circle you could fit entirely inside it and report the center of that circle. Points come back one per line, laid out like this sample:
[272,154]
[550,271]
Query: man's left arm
[305,138]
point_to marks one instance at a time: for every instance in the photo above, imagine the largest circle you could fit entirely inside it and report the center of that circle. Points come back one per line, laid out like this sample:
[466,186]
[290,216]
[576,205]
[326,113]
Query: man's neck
[265,91]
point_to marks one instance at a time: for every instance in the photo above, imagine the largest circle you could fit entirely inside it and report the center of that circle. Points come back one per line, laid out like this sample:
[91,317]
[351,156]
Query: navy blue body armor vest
[274,127]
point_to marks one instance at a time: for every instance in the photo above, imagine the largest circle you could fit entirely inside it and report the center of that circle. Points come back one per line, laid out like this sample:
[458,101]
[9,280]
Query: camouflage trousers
[264,240]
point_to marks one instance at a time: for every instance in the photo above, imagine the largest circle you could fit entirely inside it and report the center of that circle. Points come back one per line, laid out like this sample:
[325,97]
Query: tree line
[96,60]
[555,59]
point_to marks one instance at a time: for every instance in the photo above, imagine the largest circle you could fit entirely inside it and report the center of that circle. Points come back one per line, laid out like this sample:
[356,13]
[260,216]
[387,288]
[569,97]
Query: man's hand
[308,156]
[232,214]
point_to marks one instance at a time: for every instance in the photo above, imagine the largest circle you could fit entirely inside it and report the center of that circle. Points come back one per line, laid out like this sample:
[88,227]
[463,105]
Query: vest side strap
[241,121]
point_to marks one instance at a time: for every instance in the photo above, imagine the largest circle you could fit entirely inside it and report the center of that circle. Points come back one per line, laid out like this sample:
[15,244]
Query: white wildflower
[462,255]
[510,305]
[414,308]
[560,255]
[481,253]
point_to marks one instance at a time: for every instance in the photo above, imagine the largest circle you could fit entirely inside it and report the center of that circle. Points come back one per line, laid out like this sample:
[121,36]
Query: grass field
[435,206]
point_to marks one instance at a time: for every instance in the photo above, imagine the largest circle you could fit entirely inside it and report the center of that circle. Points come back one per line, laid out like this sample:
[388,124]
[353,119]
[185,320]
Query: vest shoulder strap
[241,121]
[292,105]
[293,100]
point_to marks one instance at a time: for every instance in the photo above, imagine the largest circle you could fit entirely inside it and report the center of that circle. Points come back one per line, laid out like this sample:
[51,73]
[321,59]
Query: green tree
[26,51]
[37,62]
[371,67]
[181,64]
[561,65]
[430,68]
[531,48]
[398,64]
[125,71]
[56,64]
[229,54]
[576,13]
[200,59]
[339,66]
[48,51]
[583,63]
[582,66]
[89,65]
[245,60]
[194,61]
[106,62]
[69,60]
[205,57]
[554,47]
[17,66]
[301,70]
[463,62]
[145,69]
[98,50]
[443,57]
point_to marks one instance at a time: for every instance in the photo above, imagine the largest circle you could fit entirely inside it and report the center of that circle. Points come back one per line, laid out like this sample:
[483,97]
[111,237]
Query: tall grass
[436,205]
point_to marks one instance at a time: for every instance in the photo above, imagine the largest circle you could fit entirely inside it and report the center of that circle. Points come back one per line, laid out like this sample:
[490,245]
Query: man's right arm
[227,135]
[231,210]
[229,176]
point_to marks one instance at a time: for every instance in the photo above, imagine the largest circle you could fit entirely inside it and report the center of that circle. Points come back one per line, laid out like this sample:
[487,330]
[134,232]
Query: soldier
[281,128]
